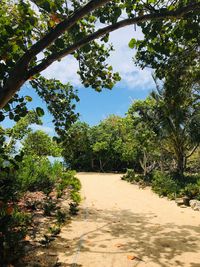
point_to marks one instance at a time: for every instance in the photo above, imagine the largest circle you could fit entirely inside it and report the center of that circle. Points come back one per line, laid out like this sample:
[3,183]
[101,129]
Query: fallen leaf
[27,238]
[119,245]
[131,257]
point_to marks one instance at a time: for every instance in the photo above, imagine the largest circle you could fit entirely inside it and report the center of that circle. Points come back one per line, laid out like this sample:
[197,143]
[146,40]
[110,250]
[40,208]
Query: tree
[76,147]
[9,138]
[107,141]
[178,121]
[144,142]
[40,144]
[170,46]
[60,28]
[95,148]
[173,118]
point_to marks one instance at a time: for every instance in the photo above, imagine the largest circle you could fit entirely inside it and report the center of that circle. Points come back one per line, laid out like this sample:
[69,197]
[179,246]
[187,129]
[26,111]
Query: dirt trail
[119,221]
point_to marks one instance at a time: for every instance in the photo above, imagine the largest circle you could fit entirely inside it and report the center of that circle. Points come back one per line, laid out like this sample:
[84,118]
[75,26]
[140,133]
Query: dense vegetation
[158,138]
[144,139]
[29,179]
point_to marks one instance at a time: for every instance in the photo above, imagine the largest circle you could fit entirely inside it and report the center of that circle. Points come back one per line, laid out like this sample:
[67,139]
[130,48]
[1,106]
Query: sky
[93,106]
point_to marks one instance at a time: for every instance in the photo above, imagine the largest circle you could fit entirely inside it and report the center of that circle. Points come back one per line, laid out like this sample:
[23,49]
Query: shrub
[75,196]
[13,225]
[164,185]
[38,174]
[54,230]
[129,175]
[68,180]
[191,190]
[35,174]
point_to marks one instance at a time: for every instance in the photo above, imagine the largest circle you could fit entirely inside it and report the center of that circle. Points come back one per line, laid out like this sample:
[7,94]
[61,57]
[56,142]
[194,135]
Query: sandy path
[118,220]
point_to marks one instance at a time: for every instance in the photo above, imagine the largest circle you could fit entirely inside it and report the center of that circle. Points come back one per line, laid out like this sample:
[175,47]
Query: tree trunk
[13,84]
[180,165]
[101,165]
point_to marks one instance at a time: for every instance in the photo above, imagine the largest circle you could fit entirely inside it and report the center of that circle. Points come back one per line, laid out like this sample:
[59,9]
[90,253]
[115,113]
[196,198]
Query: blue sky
[94,106]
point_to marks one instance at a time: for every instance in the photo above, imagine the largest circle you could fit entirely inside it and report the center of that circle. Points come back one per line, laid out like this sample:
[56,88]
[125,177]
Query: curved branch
[65,25]
[18,75]
[155,16]
[192,152]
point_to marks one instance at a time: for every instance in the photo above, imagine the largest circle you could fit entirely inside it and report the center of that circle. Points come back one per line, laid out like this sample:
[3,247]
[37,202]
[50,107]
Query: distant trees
[96,148]
[160,132]
[76,146]
[40,144]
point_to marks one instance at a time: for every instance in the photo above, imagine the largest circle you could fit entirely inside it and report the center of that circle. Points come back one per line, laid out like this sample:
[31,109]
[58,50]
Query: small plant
[73,209]
[49,207]
[60,216]
[129,175]
[54,230]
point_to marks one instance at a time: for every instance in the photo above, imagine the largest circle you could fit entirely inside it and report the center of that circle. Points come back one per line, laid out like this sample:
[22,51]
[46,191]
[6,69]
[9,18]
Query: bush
[37,174]
[75,196]
[68,180]
[164,185]
[191,191]
[129,176]
[13,228]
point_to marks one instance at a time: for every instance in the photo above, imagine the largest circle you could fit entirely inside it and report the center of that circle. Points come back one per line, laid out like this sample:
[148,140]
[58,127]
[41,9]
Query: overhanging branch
[64,26]
[155,16]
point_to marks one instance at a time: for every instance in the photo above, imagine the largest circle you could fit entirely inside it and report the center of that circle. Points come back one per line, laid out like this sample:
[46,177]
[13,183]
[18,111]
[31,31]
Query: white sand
[118,220]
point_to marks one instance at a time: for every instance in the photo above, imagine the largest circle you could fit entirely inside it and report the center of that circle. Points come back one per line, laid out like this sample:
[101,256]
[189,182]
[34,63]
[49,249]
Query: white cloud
[121,59]
[65,71]
[36,127]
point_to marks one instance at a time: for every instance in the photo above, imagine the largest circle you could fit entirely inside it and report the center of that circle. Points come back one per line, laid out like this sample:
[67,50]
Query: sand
[121,225]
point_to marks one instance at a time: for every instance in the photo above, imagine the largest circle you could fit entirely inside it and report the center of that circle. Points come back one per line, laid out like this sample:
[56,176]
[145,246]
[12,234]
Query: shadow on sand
[159,243]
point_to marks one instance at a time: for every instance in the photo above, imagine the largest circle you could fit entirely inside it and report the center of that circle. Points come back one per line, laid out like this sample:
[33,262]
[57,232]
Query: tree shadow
[150,241]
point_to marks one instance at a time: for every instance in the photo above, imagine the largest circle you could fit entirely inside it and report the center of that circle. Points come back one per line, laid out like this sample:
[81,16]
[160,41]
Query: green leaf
[7,107]
[132,43]
[18,158]
[60,43]
[46,6]
[40,111]
[17,118]
[2,117]
[28,98]
[11,115]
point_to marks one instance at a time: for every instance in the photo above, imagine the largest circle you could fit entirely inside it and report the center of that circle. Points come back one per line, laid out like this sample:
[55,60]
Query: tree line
[161,132]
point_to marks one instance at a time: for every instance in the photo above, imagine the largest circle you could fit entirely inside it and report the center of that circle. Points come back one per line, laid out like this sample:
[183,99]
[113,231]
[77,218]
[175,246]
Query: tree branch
[65,25]
[155,16]
[193,150]
[18,76]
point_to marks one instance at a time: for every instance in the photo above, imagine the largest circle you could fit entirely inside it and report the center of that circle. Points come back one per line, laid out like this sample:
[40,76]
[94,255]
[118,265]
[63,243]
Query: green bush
[68,180]
[129,176]
[13,228]
[164,185]
[75,196]
[37,174]
[191,190]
